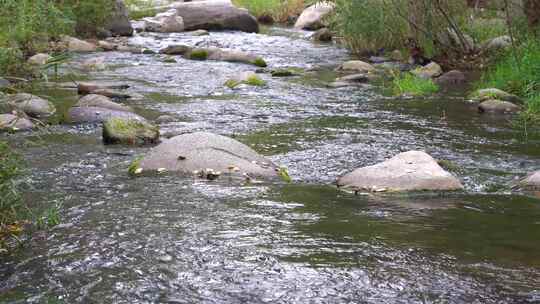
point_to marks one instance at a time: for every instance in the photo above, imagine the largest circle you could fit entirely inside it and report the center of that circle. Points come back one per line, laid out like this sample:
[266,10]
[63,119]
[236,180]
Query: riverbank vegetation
[273,10]
[31,25]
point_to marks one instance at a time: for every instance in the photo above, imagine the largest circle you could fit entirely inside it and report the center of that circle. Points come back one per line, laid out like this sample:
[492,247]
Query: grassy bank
[32,24]
[278,10]
[17,218]
[517,71]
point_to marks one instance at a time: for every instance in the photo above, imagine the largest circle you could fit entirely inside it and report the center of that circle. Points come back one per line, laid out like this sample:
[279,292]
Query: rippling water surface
[167,239]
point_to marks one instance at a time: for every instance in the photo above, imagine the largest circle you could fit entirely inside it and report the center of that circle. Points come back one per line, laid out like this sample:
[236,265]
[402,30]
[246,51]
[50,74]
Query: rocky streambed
[170,238]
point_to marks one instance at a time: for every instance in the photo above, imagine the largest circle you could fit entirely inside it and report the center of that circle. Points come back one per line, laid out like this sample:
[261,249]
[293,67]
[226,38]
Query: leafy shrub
[517,72]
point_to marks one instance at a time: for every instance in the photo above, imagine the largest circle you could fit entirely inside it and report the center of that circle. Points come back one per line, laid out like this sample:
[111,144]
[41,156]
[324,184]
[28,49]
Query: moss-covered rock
[259,62]
[129,131]
[249,78]
[198,54]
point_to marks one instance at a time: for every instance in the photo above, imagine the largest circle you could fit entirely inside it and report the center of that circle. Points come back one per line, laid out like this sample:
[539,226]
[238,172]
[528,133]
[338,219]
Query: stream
[167,239]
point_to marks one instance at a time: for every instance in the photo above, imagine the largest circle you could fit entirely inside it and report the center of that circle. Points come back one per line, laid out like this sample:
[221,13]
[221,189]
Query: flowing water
[168,239]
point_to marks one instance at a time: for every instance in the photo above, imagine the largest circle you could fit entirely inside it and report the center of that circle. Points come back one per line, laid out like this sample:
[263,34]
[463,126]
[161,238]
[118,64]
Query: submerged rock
[357,66]
[32,105]
[213,54]
[493,93]
[312,17]
[118,130]
[96,114]
[100,101]
[498,106]
[531,181]
[118,23]
[323,35]
[112,91]
[431,70]
[203,151]
[409,171]
[11,122]
[167,22]
[215,15]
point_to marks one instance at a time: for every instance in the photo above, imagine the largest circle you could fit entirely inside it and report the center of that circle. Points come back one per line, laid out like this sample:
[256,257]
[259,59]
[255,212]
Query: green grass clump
[231,83]
[516,72]
[255,80]
[279,10]
[484,29]
[409,84]
[134,166]
[284,175]
[252,80]
[198,54]
[260,62]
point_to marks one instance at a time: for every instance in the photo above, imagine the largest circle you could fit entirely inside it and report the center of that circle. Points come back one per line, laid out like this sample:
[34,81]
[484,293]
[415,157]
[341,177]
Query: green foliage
[409,84]
[362,22]
[517,72]
[31,24]
[231,83]
[255,80]
[482,30]
[11,61]
[252,80]
[284,175]
[279,10]
[260,62]
[134,167]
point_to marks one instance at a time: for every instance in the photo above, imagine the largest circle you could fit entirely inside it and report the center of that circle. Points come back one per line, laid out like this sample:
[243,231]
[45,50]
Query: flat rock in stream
[32,105]
[111,91]
[212,53]
[356,66]
[201,151]
[96,115]
[100,101]
[498,106]
[13,123]
[408,171]
[215,15]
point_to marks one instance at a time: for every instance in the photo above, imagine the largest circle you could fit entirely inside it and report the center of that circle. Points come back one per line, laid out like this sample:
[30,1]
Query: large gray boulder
[498,106]
[494,93]
[97,115]
[167,22]
[215,15]
[312,17]
[32,105]
[408,171]
[117,130]
[14,123]
[100,101]
[532,181]
[118,23]
[203,151]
